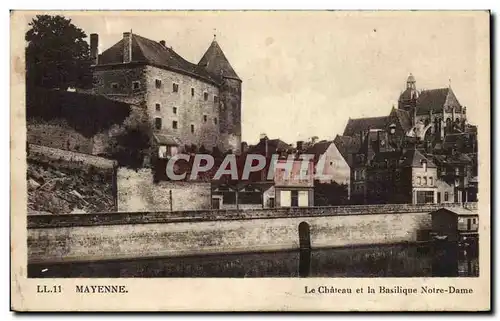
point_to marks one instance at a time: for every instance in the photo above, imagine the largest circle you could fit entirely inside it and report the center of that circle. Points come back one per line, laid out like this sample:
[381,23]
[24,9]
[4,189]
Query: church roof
[404,118]
[215,62]
[414,158]
[435,100]
[154,53]
[408,94]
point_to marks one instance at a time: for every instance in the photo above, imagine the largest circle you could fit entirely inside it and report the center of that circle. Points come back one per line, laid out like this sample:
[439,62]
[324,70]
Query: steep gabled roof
[319,148]
[414,158]
[355,126]
[435,100]
[347,145]
[404,118]
[154,53]
[215,62]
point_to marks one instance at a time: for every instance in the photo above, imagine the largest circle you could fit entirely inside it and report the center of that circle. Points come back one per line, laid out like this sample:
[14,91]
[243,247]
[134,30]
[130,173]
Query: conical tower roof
[216,63]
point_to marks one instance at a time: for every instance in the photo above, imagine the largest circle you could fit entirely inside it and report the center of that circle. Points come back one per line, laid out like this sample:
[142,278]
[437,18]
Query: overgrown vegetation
[130,143]
[327,194]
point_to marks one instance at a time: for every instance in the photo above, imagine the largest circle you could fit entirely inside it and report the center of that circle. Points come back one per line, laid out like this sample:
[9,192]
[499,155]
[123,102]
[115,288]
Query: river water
[449,260]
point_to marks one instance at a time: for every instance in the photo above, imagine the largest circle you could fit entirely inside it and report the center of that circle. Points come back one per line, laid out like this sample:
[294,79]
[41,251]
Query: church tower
[408,99]
[216,63]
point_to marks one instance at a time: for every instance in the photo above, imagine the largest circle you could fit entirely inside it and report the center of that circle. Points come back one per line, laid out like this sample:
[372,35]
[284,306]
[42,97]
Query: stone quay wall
[115,236]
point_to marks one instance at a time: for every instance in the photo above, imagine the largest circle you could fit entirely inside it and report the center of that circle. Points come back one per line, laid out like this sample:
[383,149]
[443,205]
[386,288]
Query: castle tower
[216,63]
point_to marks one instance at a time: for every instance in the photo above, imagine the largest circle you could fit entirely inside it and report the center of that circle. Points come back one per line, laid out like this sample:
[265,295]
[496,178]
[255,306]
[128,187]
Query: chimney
[244,147]
[300,145]
[127,47]
[94,48]
[162,42]
[264,141]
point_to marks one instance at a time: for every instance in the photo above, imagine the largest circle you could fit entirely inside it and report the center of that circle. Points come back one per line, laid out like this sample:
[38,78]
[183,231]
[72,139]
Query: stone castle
[189,105]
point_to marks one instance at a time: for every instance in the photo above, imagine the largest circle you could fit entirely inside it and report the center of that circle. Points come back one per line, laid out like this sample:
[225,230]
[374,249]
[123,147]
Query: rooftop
[213,66]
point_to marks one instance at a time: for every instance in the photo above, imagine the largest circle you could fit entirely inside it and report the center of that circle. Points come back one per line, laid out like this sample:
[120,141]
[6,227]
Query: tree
[131,142]
[57,55]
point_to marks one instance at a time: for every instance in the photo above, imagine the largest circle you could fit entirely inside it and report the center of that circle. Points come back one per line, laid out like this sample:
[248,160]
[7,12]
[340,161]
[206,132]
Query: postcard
[250,161]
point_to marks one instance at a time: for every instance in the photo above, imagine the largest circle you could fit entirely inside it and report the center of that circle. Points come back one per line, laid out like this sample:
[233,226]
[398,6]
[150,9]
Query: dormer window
[205,96]
[175,87]
[158,83]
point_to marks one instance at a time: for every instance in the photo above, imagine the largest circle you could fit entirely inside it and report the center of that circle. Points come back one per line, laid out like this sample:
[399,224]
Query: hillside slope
[60,186]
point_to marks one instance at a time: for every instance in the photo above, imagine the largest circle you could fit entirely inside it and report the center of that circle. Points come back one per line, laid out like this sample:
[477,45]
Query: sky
[306,73]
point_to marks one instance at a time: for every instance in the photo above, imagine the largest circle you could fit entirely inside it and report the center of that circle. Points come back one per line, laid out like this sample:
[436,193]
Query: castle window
[158,107]
[175,87]
[215,120]
[205,118]
[158,123]
[136,85]
[174,110]
[174,124]
[216,99]
[158,83]
[192,92]
[446,196]
[192,128]
[419,180]
[205,96]
[431,181]
[114,85]
[425,180]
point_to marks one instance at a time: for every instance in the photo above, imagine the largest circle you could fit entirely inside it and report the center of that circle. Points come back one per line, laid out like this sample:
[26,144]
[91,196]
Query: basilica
[424,151]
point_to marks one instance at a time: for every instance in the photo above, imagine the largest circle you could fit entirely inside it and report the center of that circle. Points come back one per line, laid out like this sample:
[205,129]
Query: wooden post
[170,198]
[237,192]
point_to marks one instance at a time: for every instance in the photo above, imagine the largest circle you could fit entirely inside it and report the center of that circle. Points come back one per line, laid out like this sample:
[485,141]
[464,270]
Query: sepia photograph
[253,144]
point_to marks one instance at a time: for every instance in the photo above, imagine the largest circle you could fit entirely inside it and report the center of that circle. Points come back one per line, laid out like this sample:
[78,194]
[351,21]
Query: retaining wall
[69,238]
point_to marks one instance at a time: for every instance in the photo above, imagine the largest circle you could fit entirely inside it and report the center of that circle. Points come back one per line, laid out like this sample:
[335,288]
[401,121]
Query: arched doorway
[304,236]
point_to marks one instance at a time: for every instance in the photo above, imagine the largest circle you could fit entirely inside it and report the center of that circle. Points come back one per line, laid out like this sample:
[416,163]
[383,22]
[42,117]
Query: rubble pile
[58,190]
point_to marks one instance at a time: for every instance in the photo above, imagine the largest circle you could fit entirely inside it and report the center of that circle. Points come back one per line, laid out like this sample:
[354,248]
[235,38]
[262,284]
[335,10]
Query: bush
[131,142]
